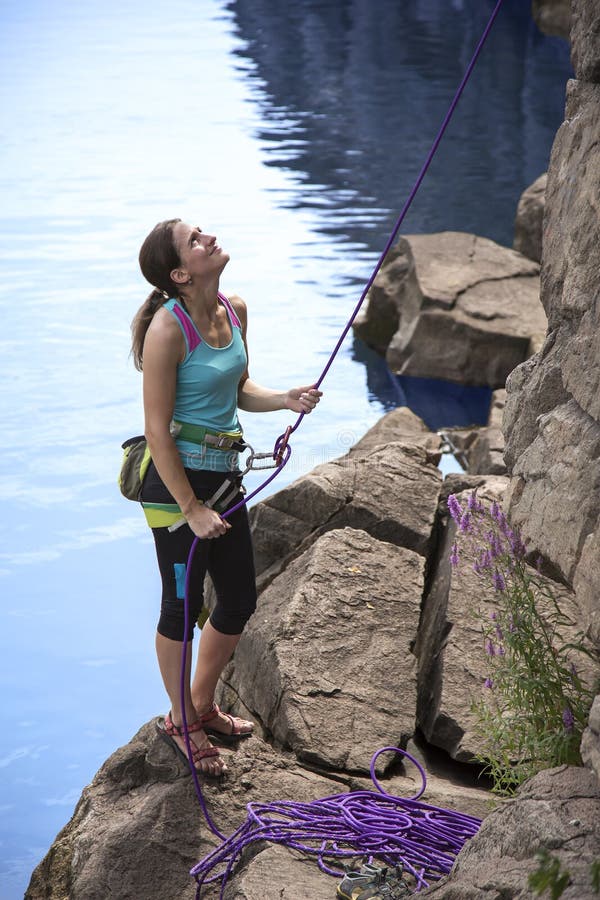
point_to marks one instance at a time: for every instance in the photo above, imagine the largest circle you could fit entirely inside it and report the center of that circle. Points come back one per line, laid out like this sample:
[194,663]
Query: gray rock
[585,40]
[529,220]
[452,668]
[401,425]
[486,456]
[554,495]
[553,16]
[467,309]
[481,450]
[532,390]
[325,662]
[557,810]
[281,874]
[590,744]
[587,584]
[552,416]
[394,294]
[138,828]
[389,491]
[569,276]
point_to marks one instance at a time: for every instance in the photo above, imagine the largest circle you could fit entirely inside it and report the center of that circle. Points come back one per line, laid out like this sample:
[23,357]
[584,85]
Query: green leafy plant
[595,874]
[535,705]
[549,876]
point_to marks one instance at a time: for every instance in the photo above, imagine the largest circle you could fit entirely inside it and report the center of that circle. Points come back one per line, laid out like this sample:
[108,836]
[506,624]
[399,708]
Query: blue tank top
[206,390]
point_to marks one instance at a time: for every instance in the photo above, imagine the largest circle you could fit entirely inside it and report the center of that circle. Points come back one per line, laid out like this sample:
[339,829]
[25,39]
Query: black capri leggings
[228,560]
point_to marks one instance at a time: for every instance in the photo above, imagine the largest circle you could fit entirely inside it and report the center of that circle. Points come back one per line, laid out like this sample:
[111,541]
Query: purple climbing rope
[423,839]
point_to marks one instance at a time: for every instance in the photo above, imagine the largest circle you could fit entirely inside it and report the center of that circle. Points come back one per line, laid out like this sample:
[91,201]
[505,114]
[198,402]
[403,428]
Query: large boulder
[529,220]
[138,829]
[558,811]
[454,306]
[325,662]
[388,490]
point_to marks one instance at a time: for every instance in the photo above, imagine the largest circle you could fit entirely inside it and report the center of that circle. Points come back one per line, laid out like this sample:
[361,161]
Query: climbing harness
[233,483]
[424,839]
[137,458]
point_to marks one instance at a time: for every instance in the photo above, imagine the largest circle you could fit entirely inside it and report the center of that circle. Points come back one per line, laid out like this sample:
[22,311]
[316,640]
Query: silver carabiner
[252,458]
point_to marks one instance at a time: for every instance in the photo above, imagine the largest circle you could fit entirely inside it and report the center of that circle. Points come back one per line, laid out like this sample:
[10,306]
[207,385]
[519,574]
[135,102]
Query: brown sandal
[232,736]
[168,731]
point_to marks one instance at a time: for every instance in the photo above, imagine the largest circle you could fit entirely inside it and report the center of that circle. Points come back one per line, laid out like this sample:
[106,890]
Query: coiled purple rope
[424,839]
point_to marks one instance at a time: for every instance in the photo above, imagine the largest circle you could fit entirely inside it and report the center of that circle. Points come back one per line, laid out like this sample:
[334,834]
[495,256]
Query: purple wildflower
[500,650]
[472,501]
[454,507]
[454,557]
[511,625]
[496,547]
[516,545]
[493,616]
[465,522]
[489,648]
[485,559]
[494,510]
[488,683]
[568,719]
[499,582]
[499,633]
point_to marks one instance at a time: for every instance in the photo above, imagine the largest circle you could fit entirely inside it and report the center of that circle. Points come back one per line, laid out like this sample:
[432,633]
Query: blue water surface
[293,132]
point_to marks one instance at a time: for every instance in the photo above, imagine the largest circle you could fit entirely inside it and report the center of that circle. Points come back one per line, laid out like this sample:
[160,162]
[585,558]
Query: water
[294,131]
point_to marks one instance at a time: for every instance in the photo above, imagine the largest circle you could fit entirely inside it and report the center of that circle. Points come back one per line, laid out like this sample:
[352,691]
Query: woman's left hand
[302,399]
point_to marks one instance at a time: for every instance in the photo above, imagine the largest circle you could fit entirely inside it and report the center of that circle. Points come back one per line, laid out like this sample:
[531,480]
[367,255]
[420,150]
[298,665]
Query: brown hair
[158,257]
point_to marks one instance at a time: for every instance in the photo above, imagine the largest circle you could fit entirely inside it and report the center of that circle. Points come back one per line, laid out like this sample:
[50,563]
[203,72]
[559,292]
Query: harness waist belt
[217,440]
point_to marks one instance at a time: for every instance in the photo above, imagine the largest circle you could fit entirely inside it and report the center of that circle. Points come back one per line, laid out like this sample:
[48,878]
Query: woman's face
[199,252]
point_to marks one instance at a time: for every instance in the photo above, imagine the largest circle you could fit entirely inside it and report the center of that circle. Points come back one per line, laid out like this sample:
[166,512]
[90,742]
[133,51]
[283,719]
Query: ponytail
[158,258]
[141,323]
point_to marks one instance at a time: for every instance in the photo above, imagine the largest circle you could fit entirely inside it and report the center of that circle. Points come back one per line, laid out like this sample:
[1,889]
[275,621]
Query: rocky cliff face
[552,419]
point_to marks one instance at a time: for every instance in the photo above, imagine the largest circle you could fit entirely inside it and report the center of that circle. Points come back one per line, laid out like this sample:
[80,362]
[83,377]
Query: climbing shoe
[354,882]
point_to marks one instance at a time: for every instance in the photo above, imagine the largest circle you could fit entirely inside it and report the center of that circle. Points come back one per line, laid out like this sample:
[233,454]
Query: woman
[190,342]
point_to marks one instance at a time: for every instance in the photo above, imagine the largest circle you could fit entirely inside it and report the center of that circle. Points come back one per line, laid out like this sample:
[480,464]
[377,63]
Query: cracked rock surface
[454,306]
[336,628]
[389,490]
[557,810]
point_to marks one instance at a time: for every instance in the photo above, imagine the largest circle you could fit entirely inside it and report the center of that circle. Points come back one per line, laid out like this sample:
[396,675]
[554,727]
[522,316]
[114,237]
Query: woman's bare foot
[207,758]
[215,721]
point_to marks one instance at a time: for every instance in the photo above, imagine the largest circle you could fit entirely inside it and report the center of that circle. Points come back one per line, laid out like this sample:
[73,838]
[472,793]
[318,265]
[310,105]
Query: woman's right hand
[206,523]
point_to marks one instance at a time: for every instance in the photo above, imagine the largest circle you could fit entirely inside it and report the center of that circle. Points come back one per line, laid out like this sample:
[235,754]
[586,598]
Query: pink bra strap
[234,319]
[192,337]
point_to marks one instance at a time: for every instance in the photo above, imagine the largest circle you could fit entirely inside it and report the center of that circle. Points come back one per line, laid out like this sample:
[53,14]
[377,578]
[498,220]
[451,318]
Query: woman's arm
[253,397]
[163,350]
